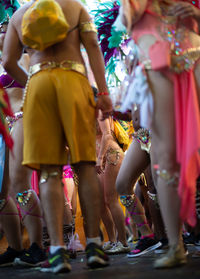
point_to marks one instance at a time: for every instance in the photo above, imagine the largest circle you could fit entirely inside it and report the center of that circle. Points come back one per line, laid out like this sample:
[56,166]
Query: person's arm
[131,11]
[105,139]
[12,52]
[184,9]
[90,42]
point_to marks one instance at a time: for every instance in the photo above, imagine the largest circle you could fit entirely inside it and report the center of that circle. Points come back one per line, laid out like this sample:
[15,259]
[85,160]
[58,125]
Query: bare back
[68,49]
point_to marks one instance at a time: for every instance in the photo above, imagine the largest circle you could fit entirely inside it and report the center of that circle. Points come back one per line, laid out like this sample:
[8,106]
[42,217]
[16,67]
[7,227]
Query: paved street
[120,268]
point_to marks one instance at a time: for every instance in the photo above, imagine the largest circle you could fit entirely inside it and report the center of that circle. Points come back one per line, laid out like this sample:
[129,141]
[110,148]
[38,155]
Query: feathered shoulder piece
[104,17]
[7,9]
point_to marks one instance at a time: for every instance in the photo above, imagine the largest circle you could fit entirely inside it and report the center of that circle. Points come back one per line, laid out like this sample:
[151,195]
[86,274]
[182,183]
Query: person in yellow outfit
[59,109]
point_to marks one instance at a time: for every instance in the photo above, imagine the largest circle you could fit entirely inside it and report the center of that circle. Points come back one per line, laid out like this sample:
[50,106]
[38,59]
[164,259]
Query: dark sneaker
[197,240]
[96,257]
[163,247]
[189,238]
[144,245]
[7,258]
[34,256]
[58,262]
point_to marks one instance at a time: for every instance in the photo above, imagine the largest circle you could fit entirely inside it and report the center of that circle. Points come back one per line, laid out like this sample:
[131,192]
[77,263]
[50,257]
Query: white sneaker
[118,248]
[108,245]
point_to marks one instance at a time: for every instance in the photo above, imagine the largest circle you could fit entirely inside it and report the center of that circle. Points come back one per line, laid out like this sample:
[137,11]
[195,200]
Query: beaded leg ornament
[128,201]
[144,138]
[112,156]
[167,176]
[23,199]
[154,198]
[45,175]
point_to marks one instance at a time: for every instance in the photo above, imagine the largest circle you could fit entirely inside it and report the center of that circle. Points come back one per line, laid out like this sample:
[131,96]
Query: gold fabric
[59,110]
[43,25]
[88,26]
[47,65]
[121,135]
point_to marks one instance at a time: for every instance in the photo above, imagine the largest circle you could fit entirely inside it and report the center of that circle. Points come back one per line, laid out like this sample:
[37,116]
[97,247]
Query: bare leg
[107,217]
[164,148]
[163,142]
[111,197]
[52,199]
[90,197]
[20,180]
[134,163]
[10,223]
[154,208]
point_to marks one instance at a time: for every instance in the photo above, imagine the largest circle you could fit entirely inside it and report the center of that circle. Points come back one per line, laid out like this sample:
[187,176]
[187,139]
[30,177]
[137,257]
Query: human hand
[99,170]
[99,165]
[104,103]
[183,10]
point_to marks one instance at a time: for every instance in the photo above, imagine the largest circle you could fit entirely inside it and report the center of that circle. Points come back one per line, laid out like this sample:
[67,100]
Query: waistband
[65,65]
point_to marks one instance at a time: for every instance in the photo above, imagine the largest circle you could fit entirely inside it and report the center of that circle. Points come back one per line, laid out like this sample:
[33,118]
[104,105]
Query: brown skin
[163,120]
[68,49]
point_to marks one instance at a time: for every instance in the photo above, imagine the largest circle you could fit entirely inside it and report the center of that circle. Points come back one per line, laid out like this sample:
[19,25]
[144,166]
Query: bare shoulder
[17,16]
[70,4]
[73,10]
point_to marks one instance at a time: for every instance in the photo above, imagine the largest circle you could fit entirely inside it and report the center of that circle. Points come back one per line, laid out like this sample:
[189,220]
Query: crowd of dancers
[140,176]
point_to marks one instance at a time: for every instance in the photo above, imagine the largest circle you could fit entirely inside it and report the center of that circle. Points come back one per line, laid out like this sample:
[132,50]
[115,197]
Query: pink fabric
[67,172]
[187,142]
[66,192]
[34,182]
[150,24]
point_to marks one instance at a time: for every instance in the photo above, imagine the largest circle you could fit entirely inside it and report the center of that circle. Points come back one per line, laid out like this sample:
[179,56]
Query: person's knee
[111,200]
[168,160]
[123,185]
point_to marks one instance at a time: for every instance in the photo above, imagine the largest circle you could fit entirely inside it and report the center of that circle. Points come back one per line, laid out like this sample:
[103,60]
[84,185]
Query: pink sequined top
[164,28]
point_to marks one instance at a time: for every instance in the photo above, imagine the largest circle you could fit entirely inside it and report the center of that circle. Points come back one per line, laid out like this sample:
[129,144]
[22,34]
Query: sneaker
[96,257]
[7,258]
[197,240]
[58,262]
[163,247]
[108,245]
[189,238]
[144,245]
[34,256]
[174,257]
[196,254]
[118,248]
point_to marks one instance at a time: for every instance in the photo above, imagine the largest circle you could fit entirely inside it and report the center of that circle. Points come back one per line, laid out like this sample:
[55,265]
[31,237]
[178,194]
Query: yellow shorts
[59,110]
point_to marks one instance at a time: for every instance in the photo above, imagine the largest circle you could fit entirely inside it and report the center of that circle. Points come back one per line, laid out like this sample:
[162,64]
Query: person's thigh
[163,121]
[110,176]
[20,176]
[135,162]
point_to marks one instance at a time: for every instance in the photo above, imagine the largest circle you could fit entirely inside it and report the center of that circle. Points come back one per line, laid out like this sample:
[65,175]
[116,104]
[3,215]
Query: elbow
[6,63]
[92,44]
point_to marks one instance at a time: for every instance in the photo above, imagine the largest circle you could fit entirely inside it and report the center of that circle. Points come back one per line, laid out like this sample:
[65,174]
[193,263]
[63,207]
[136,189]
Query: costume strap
[25,213]
[3,204]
